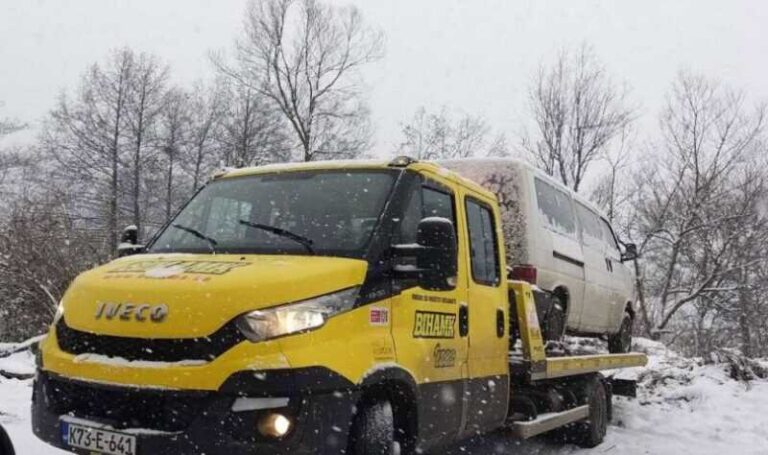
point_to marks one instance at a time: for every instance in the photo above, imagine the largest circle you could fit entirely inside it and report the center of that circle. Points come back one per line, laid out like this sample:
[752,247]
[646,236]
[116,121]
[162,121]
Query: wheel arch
[399,387]
[561,291]
[630,308]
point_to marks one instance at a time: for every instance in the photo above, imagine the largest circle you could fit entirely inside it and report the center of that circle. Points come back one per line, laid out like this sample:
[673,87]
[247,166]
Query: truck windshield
[330,213]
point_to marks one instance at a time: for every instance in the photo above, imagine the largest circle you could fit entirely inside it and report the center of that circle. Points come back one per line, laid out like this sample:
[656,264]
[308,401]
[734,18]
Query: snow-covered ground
[683,407]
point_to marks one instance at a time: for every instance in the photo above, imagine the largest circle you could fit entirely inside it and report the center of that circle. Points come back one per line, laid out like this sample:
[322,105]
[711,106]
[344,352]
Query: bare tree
[87,134]
[610,193]
[174,123]
[146,98]
[577,111]
[251,133]
[9,158]
[304,57]
[207,107]
[687,236]
[8,125]
[440,135]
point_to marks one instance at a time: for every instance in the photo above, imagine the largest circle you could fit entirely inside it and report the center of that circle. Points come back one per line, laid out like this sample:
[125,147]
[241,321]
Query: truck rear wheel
[591,432]
[373,430]
[621,342]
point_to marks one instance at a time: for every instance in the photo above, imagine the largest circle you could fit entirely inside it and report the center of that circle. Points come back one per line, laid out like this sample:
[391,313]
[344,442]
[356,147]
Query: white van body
[565,238]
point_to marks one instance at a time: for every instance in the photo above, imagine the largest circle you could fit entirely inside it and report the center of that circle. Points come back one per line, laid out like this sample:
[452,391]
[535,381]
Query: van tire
[373,430]
[554,327]
[621,342]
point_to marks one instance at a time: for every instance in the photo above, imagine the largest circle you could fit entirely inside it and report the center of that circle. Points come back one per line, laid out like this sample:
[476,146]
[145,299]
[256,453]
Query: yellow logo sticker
[431,324]
[194,267]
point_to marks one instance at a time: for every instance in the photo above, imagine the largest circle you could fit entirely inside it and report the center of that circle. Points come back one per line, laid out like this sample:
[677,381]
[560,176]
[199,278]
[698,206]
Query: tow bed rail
[535,365]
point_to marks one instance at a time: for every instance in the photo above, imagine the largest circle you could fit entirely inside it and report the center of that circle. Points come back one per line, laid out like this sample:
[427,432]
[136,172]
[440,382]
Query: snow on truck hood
[183,296]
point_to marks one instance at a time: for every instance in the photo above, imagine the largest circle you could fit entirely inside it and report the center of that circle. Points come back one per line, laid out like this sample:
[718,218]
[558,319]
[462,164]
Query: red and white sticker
[379,316]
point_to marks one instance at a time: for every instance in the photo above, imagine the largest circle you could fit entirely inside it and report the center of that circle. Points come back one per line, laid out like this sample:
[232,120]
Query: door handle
[500,325]
[463,320]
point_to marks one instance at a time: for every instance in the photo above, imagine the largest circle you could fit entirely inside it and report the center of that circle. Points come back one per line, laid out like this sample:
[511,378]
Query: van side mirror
[129,242]
[436,255]
[630,252]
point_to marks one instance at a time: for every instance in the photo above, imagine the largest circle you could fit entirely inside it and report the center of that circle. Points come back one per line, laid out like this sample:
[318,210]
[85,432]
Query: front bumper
[320,405]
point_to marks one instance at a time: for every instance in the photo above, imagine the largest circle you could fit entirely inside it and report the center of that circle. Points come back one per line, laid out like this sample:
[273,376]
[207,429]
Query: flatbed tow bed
[548,393]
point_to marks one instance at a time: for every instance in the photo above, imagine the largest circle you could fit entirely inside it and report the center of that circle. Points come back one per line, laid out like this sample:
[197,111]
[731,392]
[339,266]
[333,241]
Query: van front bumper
[320,406]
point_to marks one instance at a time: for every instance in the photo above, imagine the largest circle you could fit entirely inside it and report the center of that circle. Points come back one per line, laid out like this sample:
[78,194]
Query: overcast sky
[475,56]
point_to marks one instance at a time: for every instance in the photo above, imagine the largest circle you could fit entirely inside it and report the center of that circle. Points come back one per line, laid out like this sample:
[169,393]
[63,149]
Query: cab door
[487,301]
[430,340]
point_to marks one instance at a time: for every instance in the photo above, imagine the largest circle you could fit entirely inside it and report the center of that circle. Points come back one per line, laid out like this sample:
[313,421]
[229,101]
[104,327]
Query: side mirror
[129,242]
[630,252]
[436,255]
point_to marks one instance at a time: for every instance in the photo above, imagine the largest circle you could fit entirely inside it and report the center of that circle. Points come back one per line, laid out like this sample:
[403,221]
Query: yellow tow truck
[319,308]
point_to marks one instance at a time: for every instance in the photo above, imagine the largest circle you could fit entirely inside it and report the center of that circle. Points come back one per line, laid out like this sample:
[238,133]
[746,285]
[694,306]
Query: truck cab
[338,307]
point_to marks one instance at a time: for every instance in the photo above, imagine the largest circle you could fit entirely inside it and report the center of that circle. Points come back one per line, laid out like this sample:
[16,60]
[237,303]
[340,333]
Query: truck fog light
[274,425]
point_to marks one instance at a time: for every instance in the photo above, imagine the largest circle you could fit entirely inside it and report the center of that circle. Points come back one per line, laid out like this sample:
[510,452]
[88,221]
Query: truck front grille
[149,349]
[123,407]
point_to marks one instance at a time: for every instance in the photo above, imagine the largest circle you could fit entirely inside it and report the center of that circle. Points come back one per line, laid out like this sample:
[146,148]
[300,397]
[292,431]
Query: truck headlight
[298,317]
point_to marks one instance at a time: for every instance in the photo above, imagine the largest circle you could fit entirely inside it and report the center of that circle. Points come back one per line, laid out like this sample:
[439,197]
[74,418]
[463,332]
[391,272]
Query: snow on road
[683,407]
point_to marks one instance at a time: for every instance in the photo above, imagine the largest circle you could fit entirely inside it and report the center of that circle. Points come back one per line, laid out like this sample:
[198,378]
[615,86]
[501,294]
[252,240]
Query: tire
[621,342]
[373,430]
[555,323]
[591,432]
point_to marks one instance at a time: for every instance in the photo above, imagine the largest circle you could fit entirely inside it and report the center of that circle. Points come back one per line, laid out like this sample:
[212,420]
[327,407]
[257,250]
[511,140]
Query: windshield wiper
[305,242]
[211,242]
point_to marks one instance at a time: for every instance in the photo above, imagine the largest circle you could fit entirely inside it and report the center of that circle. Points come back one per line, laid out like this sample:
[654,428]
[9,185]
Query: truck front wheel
[373,430]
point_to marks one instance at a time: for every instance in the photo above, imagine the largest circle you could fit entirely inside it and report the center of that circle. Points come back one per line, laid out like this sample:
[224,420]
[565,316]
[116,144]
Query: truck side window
[482,243]
[555,208]
[424,203]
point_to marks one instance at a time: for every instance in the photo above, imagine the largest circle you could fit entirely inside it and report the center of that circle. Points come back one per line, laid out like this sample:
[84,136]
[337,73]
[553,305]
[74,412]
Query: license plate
[98,440]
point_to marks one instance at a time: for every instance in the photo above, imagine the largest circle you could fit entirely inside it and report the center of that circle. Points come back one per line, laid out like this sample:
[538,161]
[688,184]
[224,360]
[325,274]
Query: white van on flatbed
[560,242]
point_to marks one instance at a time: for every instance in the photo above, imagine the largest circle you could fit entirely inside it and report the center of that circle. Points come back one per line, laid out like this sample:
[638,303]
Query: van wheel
[621,342]
[554,327]
[373,430]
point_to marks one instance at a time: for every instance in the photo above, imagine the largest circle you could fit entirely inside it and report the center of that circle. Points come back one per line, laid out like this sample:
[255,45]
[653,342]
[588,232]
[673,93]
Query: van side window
[610,239]
[483,246]
[555,208]
[589,226]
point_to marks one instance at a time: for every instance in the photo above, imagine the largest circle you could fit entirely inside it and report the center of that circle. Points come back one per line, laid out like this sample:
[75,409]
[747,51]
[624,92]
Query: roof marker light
[402,161]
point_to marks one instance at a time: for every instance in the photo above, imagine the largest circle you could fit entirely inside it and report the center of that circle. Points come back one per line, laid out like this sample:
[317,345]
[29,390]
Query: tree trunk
[639,284]
[169,189]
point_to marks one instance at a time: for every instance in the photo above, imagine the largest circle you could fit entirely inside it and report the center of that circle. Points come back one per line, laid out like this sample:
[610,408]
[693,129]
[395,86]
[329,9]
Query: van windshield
[329,213]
